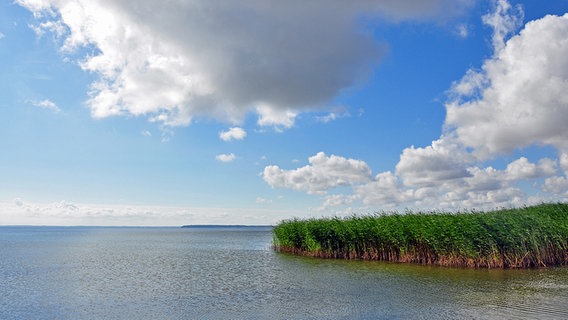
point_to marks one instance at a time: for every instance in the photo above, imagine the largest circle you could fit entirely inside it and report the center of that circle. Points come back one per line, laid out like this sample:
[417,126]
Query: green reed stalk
[526,237]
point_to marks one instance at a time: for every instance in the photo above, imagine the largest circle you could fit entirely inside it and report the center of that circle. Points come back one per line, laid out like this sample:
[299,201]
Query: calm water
[231,273]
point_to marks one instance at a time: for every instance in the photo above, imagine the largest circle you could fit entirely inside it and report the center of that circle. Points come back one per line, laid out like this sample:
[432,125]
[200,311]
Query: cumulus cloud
[47,104]
[523,93]
[335,200]
[323,173]
[234,133]
[386,190]
[272,58]
[442,161]
[557,185]
[523,169]
[229,157]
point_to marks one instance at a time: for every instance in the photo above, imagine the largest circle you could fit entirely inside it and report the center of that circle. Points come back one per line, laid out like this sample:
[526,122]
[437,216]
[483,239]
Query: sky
[136,112]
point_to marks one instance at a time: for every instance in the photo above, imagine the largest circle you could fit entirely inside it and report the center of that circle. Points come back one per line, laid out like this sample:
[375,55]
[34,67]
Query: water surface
[231,273]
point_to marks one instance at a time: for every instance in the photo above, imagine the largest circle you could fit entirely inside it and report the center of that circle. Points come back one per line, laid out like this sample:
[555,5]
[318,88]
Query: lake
[232,273]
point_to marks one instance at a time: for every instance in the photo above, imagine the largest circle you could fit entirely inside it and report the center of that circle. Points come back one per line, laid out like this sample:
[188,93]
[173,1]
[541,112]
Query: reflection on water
[410,291]
[231,273]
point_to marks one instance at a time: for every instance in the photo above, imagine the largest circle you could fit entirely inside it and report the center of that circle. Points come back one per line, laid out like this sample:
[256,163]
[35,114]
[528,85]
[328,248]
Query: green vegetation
[529,237]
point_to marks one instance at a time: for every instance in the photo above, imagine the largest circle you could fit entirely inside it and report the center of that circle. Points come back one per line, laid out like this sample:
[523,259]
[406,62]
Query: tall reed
[526,237]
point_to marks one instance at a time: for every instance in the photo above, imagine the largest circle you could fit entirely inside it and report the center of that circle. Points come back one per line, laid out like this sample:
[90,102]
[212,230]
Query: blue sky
[192,112]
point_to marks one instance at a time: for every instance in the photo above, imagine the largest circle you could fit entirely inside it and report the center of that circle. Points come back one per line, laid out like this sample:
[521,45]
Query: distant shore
[529,237]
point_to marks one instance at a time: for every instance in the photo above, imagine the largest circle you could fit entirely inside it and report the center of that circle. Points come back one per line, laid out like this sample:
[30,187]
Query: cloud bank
[179,60]
[517,99]
[65,213]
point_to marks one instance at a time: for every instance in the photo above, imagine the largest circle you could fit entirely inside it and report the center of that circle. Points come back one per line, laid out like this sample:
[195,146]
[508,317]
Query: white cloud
[432,165]
[523,169]
[269,116]
[231,58]
[385,190]
[38,7]
[46,104]
[2,35]
[556,185]
[234,133]
[492,199]
[479,187]
[564,161]
[323,173]
[335,200]
[504,20]
[230,157]
[523,93]
[469,85]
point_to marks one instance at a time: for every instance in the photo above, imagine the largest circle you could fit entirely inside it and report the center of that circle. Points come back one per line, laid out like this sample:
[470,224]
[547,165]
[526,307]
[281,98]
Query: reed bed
[529,237]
